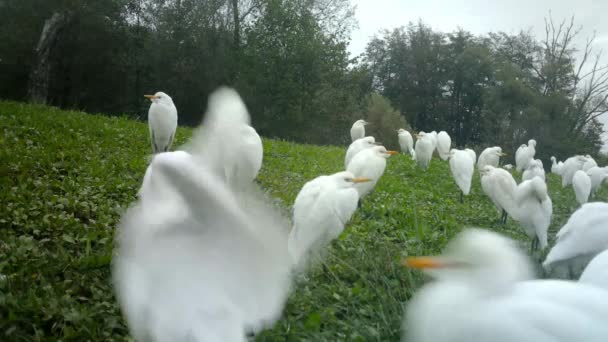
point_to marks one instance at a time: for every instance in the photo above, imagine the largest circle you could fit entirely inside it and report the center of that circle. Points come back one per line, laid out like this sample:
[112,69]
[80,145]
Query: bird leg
[359,204]
[461,197]
[570,272]
[534,245]
[503,217]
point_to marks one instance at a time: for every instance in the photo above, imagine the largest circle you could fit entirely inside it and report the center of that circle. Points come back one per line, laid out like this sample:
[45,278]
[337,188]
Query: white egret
[320,211]
[533,210]
[589,163]
[472,154]
[462,165]
[596,272]
[484,291]
[582,186]
[508,167]
[518,156]
[357,131]
[571,165]
[444,142]
[358,146]
[433,135]
[524,155]
[579,240]
[490,156]
[406,142]
[556,166]
[499,185]
[369,163]
[597,175]
[162,121]
[535,169]
[424,149]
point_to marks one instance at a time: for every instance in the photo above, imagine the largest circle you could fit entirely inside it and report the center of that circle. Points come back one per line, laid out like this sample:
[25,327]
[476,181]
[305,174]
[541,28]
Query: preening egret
[533,210]
[589,163]
[462,165]
[524,155]
[582,186]
[499,185]
[369,163]
[535,169]
[406,142]
[162,121]
[357,131]
[424,149]
[490,156]
[571,165]
[579,240]
[444,142]
[596,272]
[597,175]
[320,211]
[211,274]
[484,291]
[356,147]
[555,166]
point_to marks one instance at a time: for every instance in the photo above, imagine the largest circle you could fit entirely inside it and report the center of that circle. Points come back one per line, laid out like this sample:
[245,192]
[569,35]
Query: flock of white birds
[204,255]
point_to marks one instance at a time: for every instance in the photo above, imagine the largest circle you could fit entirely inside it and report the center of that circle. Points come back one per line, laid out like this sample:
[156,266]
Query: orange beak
[423,262]
[392,153]
[361,180]
[151,97]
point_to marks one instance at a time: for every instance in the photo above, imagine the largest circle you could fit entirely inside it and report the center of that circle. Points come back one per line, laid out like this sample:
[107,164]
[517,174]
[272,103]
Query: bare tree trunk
[38,87]
[237,24]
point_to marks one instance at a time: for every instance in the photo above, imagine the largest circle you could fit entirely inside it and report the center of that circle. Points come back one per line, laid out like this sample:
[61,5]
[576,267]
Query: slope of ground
[66,177]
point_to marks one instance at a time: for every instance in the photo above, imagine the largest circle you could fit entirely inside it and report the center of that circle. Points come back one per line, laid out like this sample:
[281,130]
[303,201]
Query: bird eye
[348,179]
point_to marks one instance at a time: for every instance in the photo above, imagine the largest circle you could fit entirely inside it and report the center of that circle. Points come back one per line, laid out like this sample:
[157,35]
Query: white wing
[582,186]
[444,143]
[596,273]
[462,167]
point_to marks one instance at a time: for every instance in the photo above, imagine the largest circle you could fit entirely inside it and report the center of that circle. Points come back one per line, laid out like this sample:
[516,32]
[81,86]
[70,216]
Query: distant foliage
[384,120]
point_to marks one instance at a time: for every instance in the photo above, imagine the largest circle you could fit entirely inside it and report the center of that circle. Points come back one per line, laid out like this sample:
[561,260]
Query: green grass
[66,177]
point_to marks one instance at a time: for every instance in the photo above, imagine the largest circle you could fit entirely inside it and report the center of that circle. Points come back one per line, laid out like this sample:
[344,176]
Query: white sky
[481,16]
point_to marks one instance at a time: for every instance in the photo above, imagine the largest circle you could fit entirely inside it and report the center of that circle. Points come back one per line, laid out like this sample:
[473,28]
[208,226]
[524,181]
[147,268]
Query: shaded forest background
[289,60]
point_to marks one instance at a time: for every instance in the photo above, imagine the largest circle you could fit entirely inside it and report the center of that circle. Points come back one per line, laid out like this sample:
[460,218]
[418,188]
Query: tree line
[289,60]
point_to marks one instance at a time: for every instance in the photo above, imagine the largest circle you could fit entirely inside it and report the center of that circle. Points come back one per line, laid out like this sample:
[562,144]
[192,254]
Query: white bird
[571,165]
[433,135]
[535,169]
[518,156]
[499,185]
[597,175]
[357,131]
[472,154]
[444,142]
[320,211]
[533,210]
[462,165]
[424,149]
[484,291]
[582,186]
[358,146]
[213,274]
[579,240]
[369,163]
[490,156]
[406,142]
[524,155]
[589,163]
[162,121]
[556,166]
[507,167]
[596,272]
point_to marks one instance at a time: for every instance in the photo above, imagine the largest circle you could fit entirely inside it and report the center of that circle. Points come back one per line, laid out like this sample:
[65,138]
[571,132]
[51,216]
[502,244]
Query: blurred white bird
[535,169]
[357,131]
[524,155]
[582,186]
[369,163]
[571,165]
[162,121]
[217,270]
[597,175]
[462,165]
[433,135]
[555,166]
[490,156]
[589,163]
[484,291]
[358,146]
[320,211]
[579,240]
[406,142]
[596,272]
[424,149]
[444,142]
[533,210]
[499,185]
[507,167]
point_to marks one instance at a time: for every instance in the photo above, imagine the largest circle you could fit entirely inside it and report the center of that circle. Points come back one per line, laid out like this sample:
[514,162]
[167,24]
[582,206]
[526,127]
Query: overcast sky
[481,16]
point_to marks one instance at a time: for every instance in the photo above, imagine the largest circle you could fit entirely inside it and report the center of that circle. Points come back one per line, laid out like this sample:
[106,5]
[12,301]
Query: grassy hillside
[66,177]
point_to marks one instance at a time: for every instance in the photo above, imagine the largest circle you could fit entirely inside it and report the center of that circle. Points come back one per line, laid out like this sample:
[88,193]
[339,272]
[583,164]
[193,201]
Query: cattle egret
[212,272]
[369,163]
[596,272]
[499,185]
[555,166]
[533,210]
[508,167]
[424,149]
[462,165]
[571,165]
[597,175]
[162,121]
[579,240]
[444,142]
[484,291]
[582,186]
[356,147]
[320,211]
[535,169]
[490,156]
[524,155]
[433,135]
[357,131]
[589,163]
[406,142]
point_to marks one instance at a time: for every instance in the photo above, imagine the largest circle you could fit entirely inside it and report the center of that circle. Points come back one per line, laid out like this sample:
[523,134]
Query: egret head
[553,159]
[160,97]
[486,170]
[361,122]
[532,143]
[497,150]
[421,134]
[383,152]
[401,130]
[346,179]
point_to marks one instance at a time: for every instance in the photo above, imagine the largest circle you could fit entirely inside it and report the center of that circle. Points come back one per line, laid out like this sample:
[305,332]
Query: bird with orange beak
[369,163]
[162,121]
